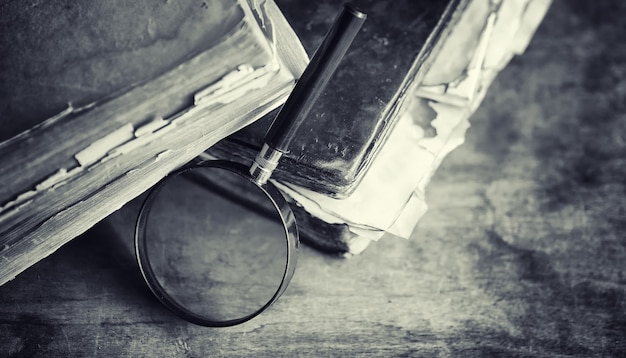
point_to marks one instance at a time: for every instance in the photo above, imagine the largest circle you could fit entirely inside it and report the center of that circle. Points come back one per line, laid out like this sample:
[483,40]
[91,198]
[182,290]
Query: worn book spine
[65,174]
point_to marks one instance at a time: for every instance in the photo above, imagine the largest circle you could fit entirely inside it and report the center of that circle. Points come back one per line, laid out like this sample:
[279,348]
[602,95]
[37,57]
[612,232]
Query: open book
[176,78]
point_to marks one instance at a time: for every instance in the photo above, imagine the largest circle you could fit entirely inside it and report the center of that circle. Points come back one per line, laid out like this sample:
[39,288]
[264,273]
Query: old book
[400,103]
[138,88]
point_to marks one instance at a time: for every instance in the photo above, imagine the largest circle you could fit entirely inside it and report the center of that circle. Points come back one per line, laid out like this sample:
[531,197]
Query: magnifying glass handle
[308,88]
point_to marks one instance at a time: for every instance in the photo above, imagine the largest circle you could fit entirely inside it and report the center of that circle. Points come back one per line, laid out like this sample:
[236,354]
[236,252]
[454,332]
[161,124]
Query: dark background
[521,253]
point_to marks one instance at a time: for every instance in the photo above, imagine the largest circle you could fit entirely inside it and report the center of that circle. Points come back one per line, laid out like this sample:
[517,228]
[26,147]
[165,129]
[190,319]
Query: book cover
[138,89]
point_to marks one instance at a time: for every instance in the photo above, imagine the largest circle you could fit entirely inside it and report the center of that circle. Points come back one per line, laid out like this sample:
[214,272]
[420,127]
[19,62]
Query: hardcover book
[131,90]
[400,102]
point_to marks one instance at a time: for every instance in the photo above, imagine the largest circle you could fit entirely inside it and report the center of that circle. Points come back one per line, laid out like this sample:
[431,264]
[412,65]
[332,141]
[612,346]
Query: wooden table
[521,253]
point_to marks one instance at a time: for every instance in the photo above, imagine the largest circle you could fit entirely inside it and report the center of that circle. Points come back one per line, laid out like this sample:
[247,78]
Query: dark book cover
[350,121]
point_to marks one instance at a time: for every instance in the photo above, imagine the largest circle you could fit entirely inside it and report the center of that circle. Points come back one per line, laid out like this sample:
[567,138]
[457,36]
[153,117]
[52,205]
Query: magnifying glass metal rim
[276,143]
[287,220]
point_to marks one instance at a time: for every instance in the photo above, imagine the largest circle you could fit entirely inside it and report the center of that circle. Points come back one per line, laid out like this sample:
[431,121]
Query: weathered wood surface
[521,253]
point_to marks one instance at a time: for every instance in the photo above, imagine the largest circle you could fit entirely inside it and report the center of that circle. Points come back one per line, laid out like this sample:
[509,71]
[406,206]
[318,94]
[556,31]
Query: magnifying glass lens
[218,254]
[218,259]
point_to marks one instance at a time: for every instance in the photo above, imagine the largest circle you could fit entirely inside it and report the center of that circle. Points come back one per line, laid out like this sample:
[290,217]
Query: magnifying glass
[217,259]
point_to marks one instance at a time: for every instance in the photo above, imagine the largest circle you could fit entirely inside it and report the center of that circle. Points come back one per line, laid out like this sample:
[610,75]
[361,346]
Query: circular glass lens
[214,244]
